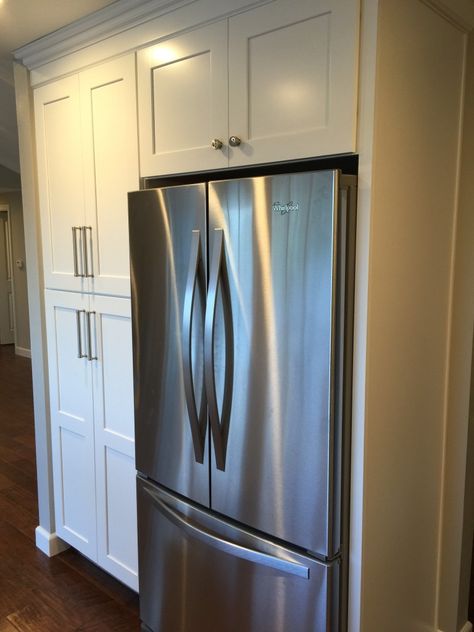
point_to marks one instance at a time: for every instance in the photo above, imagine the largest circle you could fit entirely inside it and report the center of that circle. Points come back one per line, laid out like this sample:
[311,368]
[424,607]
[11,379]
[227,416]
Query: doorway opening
[7,291]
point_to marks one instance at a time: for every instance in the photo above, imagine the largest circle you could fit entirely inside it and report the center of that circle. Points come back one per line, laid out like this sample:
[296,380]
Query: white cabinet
[292,80]
[87,153]
[183,102]
[92,428]
[280,79]
[60,179]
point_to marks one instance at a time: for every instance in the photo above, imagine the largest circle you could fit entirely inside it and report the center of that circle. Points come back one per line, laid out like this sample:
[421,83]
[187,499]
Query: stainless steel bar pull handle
[91,357]
[80,353]
[237,550]
[218,273]
[88,271]
[75,229]
[195,278]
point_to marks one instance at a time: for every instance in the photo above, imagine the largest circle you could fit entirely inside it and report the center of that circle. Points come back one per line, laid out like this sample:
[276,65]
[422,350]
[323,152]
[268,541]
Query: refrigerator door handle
[237,550]
[195,277]
[219,426]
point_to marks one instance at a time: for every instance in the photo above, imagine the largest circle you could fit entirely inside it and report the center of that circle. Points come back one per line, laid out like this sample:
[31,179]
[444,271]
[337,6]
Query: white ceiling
[21,22]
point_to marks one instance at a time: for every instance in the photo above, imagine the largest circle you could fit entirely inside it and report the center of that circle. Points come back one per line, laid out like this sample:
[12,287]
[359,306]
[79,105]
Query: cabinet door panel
[60,181]
[182,85]
[72,433]
[108,102]
[114,438]
[292,87]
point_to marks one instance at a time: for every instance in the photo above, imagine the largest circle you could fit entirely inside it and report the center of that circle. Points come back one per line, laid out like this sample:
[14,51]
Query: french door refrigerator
[241,303]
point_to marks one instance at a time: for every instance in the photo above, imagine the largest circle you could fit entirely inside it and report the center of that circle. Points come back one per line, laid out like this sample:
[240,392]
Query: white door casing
[7,303]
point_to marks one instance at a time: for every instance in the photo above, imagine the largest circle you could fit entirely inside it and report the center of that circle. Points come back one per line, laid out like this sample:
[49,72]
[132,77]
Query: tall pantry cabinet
[87,154]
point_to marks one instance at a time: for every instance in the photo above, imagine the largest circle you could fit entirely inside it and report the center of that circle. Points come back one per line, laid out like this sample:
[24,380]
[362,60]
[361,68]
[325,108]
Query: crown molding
[102,24]
[458,12]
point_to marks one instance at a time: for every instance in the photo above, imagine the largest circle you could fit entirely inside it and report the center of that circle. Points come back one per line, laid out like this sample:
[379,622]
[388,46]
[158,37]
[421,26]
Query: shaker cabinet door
[182,85]
[111,335]
[72,427]
[109,118]
[292,87]
[86,129]
[60,183]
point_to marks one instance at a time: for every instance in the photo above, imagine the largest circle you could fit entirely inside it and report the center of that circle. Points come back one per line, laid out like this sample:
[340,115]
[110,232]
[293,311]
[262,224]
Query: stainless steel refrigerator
[242,332]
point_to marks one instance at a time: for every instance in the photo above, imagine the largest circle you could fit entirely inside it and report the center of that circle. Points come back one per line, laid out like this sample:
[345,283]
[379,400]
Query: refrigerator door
[167,253]
[198,572]
[269,356]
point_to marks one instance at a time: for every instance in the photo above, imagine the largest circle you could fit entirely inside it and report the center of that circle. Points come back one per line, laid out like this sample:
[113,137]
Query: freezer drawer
[198,573]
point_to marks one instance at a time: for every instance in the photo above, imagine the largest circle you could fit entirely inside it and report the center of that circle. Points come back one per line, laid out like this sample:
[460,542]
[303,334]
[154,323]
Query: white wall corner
[21,351]
[50,543]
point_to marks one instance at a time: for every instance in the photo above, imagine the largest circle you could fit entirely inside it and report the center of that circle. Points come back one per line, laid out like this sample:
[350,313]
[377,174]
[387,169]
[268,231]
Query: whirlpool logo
[283,208]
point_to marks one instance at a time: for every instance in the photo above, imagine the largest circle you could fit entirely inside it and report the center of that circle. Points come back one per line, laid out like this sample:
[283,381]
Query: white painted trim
[49,543]
[461,17]
[92,28]
[5,208]
[35,282]
[21,351]
[112,20]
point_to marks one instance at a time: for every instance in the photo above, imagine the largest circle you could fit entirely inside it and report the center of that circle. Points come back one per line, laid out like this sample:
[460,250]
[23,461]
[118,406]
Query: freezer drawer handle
[219,427]
[196,276]
[237,550]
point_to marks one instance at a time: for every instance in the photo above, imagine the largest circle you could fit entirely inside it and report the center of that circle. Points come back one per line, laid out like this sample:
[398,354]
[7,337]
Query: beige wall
[19,275]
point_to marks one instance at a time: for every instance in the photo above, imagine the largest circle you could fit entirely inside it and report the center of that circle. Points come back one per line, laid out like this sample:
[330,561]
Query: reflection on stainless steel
[278,560]
[196,276]
[265,353]
[194,582]
[219,426]
[160,245]
[277,476]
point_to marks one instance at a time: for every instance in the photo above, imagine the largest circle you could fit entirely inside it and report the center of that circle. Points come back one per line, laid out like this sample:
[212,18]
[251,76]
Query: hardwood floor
[40,594]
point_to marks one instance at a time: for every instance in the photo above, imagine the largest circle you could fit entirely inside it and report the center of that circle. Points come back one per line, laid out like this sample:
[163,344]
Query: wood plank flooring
[66,593]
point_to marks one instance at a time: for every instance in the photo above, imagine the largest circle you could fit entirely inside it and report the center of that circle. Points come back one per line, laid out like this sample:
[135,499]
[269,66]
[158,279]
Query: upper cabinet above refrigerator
[87,151]
[274,83]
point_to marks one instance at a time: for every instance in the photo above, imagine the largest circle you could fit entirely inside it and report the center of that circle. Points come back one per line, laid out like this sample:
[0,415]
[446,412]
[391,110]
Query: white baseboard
[49,543]
[21,351]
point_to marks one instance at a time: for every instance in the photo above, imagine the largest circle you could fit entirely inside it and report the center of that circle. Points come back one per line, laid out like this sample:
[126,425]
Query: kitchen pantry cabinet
[274,83]
[87,153]
[91,400]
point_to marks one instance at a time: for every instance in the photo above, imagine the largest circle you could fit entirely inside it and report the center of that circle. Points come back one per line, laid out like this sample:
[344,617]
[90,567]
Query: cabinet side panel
[412,214]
